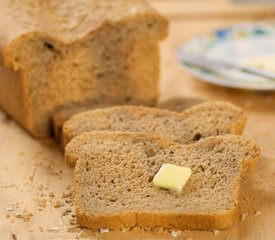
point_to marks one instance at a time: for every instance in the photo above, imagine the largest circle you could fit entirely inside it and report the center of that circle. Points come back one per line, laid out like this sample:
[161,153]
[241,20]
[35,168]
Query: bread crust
[153,220]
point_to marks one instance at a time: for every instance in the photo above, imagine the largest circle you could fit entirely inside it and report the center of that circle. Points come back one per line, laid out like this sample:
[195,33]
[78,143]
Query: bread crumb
[216,232]
[41,229]
[80,234]
[64,213]
[67,194]
[42,194]
[137,228]
[125,230]
[257,213]
[175,233]
[9,209]
[243,216]
[7,216]
[54,229]
[157,230]
[42,203]
[51,194]
[73,221]
[24,216]
[68,210]
[104,230]
[73,229]
[58,204]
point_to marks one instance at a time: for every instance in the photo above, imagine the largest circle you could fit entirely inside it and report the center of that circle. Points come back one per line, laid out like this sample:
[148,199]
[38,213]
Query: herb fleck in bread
[114,172]
[208,119]
[54,54]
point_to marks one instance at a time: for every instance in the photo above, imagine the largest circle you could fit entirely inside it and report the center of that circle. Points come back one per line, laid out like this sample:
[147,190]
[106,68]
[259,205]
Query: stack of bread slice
[116,152]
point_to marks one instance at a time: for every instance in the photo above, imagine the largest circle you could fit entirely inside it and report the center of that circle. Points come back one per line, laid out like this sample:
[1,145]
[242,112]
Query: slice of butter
[172,177]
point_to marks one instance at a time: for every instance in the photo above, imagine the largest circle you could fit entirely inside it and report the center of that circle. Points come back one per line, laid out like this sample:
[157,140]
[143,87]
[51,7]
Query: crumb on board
[104,230]
[42,203]
[54,229]
[175,233]
[58,204]
[24,216]
[73,221]
[67,194]
[9,209]
[157,230]
[216,232]
[52,194]
[243,216]
[257,213]
[125,230]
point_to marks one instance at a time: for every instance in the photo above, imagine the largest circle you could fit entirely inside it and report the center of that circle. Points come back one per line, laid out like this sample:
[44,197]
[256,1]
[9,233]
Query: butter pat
[172,177]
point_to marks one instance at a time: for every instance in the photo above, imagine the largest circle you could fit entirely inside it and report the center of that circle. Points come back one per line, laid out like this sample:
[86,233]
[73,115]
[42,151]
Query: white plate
[253,44]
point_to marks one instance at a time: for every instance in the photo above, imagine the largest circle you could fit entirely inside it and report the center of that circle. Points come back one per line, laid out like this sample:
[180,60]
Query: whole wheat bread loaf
[114,172]
[54,54]
[207,119]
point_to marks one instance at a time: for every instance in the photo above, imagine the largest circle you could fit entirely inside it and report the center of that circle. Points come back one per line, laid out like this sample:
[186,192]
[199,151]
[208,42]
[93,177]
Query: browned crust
[183,221]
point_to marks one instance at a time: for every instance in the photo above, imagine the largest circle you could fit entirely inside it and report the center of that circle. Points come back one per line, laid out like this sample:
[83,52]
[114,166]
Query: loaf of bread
[114,172]
[207,119]
[54,54]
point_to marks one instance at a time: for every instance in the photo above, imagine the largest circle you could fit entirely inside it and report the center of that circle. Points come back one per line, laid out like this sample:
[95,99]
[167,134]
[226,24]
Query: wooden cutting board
[35,185]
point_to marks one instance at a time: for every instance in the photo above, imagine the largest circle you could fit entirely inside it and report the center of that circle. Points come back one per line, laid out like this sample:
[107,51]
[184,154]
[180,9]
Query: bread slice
[114,172]
[207,119]
[60,117]
[60,53]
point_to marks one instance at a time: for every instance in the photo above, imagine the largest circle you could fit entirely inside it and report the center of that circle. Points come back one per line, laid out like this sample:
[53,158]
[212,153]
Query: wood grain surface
[35,185]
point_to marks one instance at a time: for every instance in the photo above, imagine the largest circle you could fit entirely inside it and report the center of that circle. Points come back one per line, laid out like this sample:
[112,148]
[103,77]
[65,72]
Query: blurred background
[189,19]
